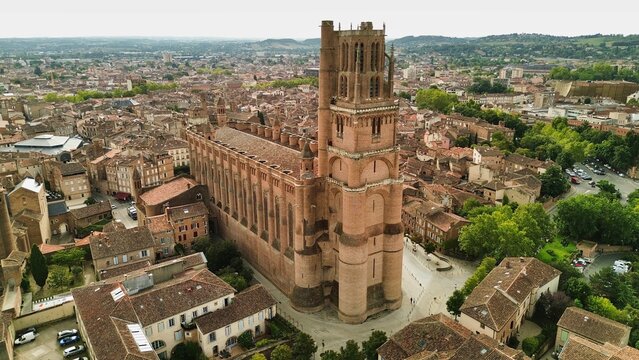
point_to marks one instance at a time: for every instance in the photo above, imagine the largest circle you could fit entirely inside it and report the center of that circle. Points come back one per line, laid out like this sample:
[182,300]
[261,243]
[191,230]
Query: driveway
[45,346]
[120,211]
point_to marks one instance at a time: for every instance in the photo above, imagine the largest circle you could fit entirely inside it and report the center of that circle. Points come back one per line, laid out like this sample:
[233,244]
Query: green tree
[468,206]
[304,347]
[38,265]
[90,201]
[553,182]
[462,141]
[430,247]
[609,284]
[235,280]
[330,355]
[220,254]
[70,257]
[282,352]
[633,197]
[370,346]
[502,232]
[258,356]
[435,99]
[37,71]
[500,141]
[608,189]
[486,265]
[246,340]
[578,289]
[59,277]
[454,303]
[187,351]
[351,351]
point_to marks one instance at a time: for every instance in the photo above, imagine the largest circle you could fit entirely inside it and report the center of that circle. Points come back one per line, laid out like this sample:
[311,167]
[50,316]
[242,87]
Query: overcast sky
[300,18]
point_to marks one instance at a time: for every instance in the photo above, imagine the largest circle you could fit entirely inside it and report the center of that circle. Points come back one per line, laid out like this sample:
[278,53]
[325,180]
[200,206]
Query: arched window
[158,344]
[343,86]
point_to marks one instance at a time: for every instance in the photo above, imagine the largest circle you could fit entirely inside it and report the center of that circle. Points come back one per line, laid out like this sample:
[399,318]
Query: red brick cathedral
[320,218]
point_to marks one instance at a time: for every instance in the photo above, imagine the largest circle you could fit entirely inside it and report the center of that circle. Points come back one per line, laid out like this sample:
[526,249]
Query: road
[420,281]
[120,211]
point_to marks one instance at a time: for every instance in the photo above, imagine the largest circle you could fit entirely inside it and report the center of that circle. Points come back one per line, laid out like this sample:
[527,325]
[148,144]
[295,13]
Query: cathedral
[321,217]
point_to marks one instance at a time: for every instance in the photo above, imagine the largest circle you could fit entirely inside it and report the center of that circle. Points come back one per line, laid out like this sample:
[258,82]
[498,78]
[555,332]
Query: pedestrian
[411,300]
[322,344]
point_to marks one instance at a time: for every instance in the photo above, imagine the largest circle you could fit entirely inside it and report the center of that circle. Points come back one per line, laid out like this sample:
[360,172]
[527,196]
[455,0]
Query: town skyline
[284,20]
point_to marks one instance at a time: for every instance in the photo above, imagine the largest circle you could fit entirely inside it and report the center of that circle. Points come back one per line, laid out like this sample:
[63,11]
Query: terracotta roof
[263,149]
[105,323]
[106,245]
[178,295]
[578,348]
[594,327]
[167,191]
[187,211]
[439,337]
[91,210]
[68,169]
[496,299]
[444,220]
[244,304]
[158,224]
[124,269]
[105,319]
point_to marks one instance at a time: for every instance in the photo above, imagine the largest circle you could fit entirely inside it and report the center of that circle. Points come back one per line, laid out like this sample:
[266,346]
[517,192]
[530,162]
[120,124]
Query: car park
[73,350]
[68,332]
[69,340]
[25,338]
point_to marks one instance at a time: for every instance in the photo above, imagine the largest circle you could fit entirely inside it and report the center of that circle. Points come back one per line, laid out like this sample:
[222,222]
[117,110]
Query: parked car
[25,338]
[81,358]
[592,183]
[575,180]
[113,207]
[68,332]
[73,350]
[24,331]
[69,340]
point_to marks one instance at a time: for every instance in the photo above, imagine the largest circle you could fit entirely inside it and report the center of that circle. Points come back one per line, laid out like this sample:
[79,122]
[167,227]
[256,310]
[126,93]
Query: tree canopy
[435,99]
[38,265]
[503,232]
[553,182]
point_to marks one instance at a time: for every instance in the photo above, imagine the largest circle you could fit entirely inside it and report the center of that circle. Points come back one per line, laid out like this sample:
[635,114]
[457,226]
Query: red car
[575,180]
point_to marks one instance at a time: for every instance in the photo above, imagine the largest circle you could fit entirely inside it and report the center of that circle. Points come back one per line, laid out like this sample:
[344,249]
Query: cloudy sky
[300,18]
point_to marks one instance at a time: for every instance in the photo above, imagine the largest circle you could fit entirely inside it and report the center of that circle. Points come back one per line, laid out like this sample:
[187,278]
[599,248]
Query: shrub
[263,342]
[275,331]
[532,344]
[246,340]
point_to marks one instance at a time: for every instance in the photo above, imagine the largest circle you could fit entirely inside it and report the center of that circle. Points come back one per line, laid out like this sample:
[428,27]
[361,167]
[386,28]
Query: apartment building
[121,248]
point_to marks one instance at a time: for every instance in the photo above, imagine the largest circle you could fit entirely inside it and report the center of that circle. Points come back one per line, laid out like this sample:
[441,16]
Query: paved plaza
[421,281]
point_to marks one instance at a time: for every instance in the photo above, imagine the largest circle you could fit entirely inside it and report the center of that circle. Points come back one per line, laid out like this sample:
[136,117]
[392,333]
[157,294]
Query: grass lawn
[555,251]
[46,291]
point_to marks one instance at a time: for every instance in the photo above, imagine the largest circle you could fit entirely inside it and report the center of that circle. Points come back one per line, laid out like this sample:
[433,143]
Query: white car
[73,350]
[65,333]
[113,206]
[25,338]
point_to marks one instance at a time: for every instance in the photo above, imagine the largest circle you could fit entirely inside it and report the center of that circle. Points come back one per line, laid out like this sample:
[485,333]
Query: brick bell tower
[359,158]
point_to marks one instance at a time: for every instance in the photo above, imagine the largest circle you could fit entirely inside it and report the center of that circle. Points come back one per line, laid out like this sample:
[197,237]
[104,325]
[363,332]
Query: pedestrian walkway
[428,289]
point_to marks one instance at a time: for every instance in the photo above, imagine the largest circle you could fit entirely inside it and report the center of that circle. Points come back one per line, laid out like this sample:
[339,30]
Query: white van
[25,338]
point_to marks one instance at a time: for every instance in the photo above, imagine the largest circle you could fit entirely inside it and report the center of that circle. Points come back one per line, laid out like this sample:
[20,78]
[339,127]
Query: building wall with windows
[165,334]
